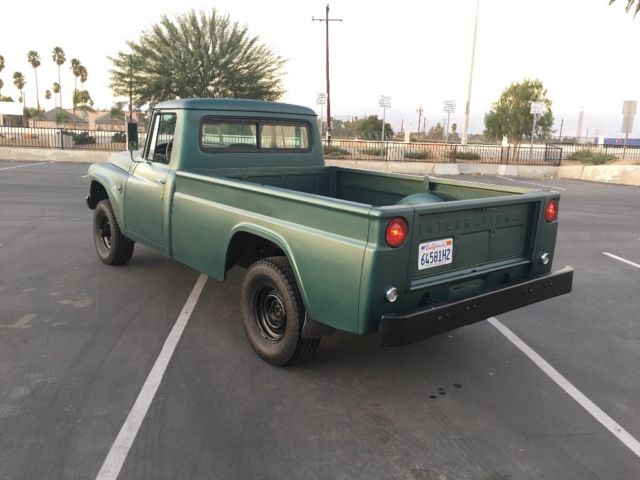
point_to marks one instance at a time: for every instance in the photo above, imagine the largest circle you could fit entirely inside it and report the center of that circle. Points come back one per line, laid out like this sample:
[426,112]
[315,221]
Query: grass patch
[467,156]
[421,155]
[336,151]
[591,157]
[374,152]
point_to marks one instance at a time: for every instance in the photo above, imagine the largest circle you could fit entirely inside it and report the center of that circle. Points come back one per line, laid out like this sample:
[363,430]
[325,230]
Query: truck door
[145,188]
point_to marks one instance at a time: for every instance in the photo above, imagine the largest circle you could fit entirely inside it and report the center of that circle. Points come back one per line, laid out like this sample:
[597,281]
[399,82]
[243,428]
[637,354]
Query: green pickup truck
[221,183]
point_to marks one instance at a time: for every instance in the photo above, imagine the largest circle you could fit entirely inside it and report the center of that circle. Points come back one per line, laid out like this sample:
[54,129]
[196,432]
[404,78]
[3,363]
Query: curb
[618,174]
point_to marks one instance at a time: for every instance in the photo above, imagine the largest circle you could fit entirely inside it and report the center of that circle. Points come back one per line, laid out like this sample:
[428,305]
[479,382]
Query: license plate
[435,253]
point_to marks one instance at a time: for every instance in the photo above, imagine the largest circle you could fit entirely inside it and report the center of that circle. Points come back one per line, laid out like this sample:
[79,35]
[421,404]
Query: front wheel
[273,313]
[112,246]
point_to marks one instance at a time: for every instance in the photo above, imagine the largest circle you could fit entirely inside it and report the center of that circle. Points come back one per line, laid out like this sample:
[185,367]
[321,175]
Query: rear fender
[277,240]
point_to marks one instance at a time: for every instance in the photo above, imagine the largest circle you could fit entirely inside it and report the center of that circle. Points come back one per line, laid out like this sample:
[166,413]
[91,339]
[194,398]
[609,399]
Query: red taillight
[397,230]
[551,211]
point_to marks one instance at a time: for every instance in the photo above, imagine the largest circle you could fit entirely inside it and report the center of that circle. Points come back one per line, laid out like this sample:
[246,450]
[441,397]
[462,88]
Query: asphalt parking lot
[78,339]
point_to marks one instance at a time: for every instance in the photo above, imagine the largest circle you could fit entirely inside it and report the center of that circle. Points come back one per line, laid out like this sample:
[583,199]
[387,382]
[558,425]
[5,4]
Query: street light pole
[465,128]
[326,19]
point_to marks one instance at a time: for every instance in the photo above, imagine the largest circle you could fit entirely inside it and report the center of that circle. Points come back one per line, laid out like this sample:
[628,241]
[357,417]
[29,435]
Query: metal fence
[443,152]
[609,152]
[63,138]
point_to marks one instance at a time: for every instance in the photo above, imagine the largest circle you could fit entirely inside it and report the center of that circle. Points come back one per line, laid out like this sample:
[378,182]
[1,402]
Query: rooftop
[235,104]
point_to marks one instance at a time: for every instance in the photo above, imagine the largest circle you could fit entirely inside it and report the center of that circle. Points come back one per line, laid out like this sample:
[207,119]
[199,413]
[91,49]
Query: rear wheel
[273,313]
[112,246]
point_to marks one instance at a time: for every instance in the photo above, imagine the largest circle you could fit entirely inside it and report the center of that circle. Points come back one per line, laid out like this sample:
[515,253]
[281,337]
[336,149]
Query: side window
[162,132]
[284,137]
[239,136]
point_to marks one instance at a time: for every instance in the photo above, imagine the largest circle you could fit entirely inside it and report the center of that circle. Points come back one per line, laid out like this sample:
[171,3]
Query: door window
[162,133]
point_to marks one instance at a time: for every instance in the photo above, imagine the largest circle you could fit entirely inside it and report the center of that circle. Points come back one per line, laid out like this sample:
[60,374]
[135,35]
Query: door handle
[160,180]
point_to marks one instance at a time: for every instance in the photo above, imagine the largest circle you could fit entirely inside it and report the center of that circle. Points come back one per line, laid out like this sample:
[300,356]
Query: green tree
[197,54]
[436,133]
[370,128]
[1,68]
[82,99]
[62,117]
[20,82]
[75,69]
[58,56]
[33,58]
[510,115]
[56,90]
[630,5]
[117,111]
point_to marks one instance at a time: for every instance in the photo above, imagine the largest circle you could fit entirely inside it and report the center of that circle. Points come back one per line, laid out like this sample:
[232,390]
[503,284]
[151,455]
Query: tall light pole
[326,19]
[465,127]
[384,102]
[419,111]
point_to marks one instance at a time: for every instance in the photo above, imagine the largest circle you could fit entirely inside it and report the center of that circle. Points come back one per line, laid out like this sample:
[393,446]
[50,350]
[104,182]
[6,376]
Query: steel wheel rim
[269,313]
[105,232]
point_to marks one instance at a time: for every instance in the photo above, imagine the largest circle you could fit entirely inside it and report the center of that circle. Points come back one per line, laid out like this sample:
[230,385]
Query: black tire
[112,246]
[273,313]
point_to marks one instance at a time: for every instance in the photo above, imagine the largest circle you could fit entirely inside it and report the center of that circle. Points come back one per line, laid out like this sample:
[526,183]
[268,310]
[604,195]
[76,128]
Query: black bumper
[405,328]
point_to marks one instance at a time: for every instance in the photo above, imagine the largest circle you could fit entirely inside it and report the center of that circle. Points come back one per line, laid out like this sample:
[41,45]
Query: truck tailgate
[458,241]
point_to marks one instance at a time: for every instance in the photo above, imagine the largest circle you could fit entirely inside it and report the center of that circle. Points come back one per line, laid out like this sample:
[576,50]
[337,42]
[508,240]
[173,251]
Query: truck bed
[364,187]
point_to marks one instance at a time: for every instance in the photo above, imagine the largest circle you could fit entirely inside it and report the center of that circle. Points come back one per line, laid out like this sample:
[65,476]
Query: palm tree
[75,68]
[1,85]
[1,63]
[34,59]
[47,94]
[56,90]
[630,4]
[59,58]
[20,82]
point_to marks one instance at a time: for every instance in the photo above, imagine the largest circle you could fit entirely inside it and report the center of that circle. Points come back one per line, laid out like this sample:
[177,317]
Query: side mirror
[132,136]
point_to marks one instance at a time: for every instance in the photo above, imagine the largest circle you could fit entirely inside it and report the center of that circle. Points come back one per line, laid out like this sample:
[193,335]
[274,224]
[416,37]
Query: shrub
[467,156]
[336,151]
[374,151]
[119,137]
[591,157]
[418,155]
[83,138]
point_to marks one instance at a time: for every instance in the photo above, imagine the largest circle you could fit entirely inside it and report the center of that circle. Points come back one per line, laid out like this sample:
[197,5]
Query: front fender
[113,179]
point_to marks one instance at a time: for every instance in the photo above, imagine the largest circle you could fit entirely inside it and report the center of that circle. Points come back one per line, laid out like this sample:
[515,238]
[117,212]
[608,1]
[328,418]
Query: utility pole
[465,128]
[419,110]
[326,19]
[561,125]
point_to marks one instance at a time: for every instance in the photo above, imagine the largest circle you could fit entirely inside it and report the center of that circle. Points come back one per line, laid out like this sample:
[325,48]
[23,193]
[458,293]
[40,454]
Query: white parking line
[122,444]
[536,184]
[22,166]
[595,411]
[623,260]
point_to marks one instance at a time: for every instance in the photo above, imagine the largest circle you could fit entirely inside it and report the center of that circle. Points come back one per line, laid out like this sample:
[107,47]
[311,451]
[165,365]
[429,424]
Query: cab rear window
[243,135]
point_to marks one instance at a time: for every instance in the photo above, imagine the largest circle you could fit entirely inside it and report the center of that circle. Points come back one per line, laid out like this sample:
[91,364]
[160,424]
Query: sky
[416,52]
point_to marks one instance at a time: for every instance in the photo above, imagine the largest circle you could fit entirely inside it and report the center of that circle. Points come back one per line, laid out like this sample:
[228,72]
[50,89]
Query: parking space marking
[22,166]
[596,412]
[536,184]
[122,444]
[623,260]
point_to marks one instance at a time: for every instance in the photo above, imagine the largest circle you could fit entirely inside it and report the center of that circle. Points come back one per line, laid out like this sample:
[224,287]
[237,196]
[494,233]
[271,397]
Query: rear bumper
[405,328]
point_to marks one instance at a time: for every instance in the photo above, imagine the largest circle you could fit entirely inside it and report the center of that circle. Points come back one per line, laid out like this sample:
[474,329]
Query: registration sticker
[435,253]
